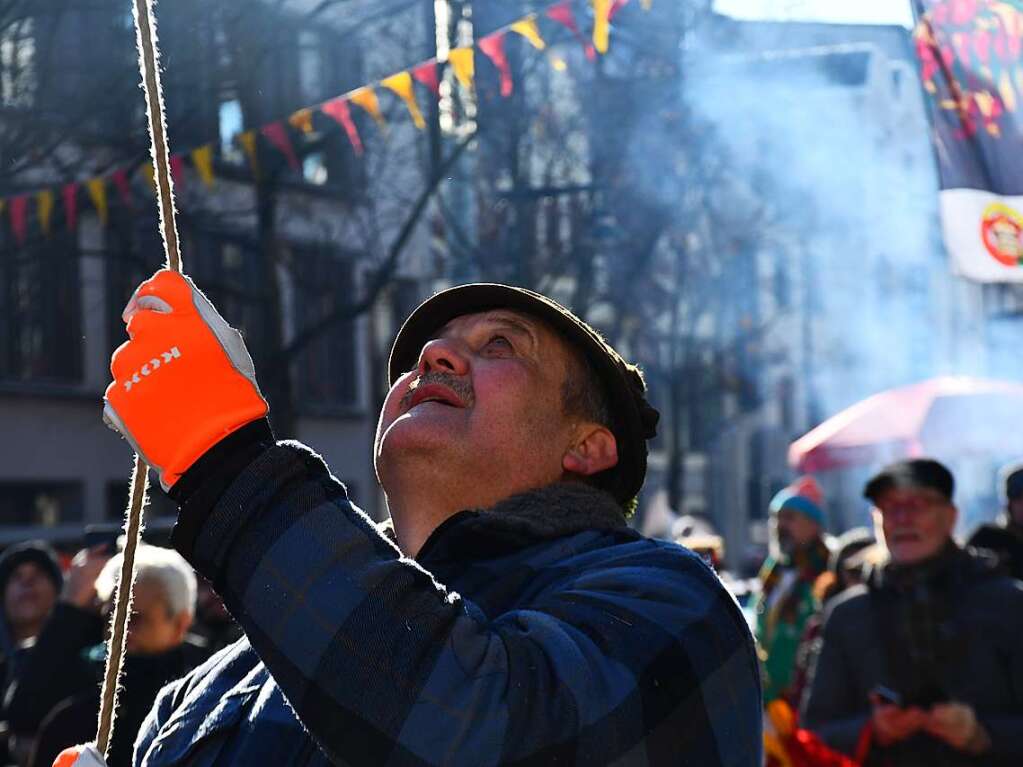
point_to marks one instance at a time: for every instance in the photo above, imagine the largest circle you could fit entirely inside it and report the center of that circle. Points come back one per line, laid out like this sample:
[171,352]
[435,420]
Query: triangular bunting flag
[464,65]
[44,208]
[69,193]
[401,84]
[120,179]
[19,205]
[616,6]
[302,120]
[366,98]
[426,74]
[528,28]
[202,159]
[493,47]
[339,111]
[601,24]
[248,142]
[278,136]
[177,169]
[562,13]
[98,193]
[146,169]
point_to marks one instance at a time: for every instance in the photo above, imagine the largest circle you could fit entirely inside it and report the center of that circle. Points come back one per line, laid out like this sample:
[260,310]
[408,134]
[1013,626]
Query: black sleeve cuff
[206,480]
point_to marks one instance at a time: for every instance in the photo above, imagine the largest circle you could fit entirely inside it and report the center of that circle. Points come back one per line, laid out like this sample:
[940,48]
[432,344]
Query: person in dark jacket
[30,579]
[55,700]
[510,615]
[1005,538]
[928,654]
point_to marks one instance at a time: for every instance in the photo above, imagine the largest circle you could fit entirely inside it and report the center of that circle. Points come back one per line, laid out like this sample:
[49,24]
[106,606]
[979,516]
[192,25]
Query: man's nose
[442,355]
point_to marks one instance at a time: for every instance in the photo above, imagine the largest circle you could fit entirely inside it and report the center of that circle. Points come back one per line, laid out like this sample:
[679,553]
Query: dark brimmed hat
[914,472]
[37,552]
[633,419]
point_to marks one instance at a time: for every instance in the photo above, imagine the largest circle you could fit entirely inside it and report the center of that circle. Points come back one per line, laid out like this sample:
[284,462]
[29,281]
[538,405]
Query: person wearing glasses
[925,659]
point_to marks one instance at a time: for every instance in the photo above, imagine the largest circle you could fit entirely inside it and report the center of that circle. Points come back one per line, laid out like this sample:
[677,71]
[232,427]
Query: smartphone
[888,695]
[102,535]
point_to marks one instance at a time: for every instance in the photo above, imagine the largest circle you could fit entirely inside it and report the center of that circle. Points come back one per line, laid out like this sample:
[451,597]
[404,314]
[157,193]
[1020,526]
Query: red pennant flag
[493,47]
[177,168]
[70,195]
[19,208]
[562,13]
[616,6]
[426,74]
[120,179]
[278,136]
[338,109]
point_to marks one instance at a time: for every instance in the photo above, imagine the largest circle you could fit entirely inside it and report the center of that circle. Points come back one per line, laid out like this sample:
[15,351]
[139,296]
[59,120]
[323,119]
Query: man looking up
[1006,537]
[515,617]
[928,653]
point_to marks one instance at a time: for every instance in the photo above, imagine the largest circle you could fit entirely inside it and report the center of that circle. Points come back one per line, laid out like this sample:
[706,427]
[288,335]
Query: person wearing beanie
[799,554]
[1005,537]
[923,663]
[508,614]
[30,580]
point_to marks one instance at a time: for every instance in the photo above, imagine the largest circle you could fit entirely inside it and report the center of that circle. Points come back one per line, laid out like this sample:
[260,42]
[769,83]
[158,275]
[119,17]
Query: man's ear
[594,451]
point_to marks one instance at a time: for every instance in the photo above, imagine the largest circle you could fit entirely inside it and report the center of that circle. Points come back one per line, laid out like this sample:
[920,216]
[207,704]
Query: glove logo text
[151,367]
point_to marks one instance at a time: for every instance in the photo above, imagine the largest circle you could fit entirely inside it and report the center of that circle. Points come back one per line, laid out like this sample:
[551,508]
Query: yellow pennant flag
[248,140]
[44,208]
[148,175]
[302,120]
[366,98]
[202,159]
[98,194]
[463,64]
[601,26]
[528,29]
[401,84]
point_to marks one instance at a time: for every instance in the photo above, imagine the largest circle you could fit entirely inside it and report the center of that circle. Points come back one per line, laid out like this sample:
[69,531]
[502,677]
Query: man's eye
[499,342]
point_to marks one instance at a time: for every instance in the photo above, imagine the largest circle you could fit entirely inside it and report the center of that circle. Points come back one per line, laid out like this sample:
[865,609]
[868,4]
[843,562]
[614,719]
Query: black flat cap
[633,419]
[36,552]
[914,472]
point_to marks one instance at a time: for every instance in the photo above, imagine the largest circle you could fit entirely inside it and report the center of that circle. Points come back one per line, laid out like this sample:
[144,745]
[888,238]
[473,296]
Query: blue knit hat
[790,499]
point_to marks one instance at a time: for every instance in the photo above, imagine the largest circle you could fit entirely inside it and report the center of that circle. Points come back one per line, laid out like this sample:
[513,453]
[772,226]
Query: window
[40,504]
[17,60]
[310,65]
[325,371]
[40,310]
[230,122]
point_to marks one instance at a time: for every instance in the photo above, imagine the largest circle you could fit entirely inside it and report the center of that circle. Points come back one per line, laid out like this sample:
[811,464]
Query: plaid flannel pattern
[599,647]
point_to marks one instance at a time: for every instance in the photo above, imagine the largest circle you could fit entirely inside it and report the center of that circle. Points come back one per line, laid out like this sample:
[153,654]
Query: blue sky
[848,11]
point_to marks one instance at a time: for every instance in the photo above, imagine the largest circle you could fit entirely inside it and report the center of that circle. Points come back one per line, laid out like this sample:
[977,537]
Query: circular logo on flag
[1001,228]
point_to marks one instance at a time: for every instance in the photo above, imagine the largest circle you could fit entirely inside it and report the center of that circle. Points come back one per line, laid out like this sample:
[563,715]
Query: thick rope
[145,38]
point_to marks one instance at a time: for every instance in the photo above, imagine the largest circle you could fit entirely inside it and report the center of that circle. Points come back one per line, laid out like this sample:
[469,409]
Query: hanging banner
[426,74]
[528,28]
[563,14]
[401,84]
[202,159]
[339,111]
[278,136]
[69,193]
[366,98]
[463,63]
[19,208]
[493,47]
[248,141]
[120,179]
[44,208]
[302,120]
[971,64]
[177,169]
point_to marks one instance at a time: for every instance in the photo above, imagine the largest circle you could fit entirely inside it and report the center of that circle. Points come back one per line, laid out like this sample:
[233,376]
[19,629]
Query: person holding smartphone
[926,656]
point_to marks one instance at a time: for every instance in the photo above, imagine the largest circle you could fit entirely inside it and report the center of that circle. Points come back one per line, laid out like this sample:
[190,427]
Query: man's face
[28,597]
[916,523]
[794,530]
[1016,510]
[483,410]
[152,628]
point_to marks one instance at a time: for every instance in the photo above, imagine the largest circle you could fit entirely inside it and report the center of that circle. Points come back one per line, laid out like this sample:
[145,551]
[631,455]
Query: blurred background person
[30,579]
[799,555]
[1005,537]
[55,700]
[928,653]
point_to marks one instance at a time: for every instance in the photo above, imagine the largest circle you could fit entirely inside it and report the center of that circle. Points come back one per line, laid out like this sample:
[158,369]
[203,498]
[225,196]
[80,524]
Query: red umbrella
[940,417]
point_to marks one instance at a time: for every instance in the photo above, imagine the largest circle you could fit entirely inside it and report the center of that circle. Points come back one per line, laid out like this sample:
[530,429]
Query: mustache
[459,385]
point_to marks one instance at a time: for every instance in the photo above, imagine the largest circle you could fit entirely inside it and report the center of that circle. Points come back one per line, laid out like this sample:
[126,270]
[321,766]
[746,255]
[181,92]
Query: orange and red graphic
[970,57]
[1001,229]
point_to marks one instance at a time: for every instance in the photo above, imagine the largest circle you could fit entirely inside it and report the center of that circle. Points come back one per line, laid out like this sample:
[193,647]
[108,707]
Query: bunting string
[402,85]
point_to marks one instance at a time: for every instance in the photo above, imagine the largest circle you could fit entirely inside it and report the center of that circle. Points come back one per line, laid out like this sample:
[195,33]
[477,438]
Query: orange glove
[183,381]
[80,756]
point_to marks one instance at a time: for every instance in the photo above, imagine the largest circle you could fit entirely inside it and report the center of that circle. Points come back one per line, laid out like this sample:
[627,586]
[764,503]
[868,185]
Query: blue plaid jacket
[541,631]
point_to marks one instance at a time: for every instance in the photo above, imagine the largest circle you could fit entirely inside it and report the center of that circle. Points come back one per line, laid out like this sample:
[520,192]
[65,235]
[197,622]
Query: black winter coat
[949,630]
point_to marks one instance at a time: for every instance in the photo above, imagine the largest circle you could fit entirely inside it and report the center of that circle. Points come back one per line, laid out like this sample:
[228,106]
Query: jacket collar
[555,511]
